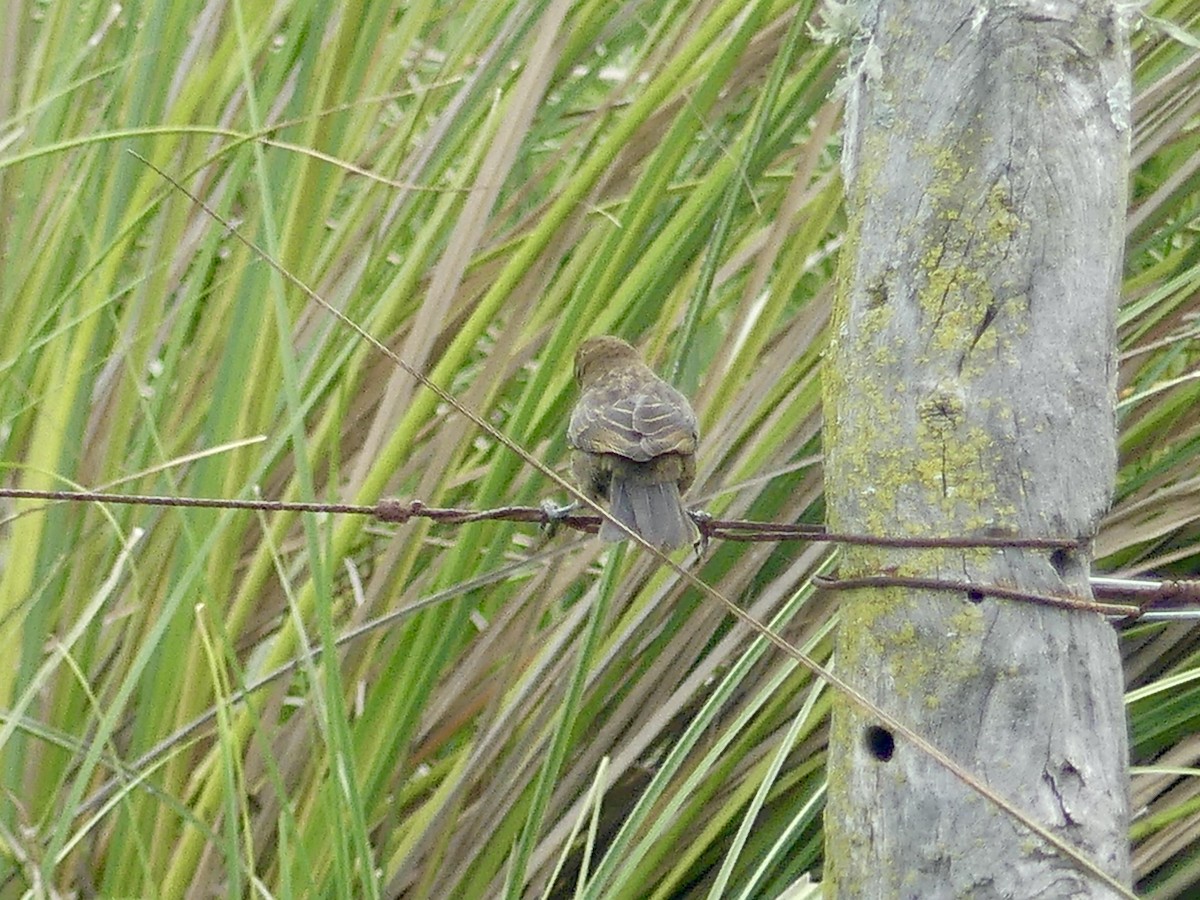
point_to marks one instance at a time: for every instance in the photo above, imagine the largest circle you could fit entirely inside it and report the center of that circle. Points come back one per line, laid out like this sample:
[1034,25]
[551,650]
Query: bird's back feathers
[633,414]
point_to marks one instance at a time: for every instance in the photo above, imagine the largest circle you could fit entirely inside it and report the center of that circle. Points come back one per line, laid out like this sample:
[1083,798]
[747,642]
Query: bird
[634,441]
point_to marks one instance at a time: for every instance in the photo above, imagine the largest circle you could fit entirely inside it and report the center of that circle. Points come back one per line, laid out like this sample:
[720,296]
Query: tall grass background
[479,186]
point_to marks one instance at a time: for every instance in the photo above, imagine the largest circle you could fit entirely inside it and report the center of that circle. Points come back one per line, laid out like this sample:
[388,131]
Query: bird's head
[597,355]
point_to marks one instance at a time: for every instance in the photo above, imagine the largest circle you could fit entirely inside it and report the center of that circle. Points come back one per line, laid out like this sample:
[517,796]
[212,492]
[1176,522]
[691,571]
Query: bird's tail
[653,509]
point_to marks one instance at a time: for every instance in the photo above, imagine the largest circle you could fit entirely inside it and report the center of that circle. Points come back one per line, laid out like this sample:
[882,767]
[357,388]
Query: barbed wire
[1144,599]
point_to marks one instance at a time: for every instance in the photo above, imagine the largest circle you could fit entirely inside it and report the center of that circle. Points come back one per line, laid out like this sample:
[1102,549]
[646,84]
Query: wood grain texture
[969,390]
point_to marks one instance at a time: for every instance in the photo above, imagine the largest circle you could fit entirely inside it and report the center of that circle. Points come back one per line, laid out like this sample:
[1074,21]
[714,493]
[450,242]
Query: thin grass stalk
[720,884]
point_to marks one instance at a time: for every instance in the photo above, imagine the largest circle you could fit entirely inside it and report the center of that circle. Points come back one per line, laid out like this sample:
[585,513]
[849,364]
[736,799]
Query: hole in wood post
[879,742]
[1062,560]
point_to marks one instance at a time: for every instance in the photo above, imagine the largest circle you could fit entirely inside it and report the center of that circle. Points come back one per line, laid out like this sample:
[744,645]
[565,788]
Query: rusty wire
[1126,599]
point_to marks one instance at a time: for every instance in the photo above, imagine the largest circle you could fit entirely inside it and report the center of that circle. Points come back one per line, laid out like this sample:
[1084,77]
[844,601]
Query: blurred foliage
[479,186]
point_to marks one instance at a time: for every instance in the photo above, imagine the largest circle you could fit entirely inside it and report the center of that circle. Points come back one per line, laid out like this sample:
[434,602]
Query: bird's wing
[638,424]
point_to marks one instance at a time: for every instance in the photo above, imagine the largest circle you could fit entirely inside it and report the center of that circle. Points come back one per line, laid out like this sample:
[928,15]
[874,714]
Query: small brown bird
[634,438]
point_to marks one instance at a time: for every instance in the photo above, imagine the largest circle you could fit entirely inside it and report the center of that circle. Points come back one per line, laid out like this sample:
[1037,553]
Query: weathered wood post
[969,391]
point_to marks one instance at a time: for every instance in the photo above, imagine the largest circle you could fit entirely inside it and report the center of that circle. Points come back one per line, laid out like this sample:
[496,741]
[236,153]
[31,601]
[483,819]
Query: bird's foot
[701,520]
[552,514]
